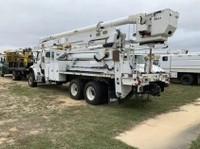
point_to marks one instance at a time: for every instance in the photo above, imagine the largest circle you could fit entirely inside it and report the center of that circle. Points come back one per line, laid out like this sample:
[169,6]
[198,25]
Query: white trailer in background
[96,63]
[185,67]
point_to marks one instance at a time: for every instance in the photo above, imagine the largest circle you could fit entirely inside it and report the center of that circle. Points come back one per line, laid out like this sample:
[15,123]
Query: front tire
[76,89]
[93,93]
[31,80]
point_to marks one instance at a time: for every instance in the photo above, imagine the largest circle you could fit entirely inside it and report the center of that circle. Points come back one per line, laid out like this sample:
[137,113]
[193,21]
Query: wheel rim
[90,92]
[74,89]
[30,80]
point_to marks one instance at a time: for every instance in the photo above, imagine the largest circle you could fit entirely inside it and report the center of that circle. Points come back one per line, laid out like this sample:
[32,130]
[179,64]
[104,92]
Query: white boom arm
[133,19]
[151,28]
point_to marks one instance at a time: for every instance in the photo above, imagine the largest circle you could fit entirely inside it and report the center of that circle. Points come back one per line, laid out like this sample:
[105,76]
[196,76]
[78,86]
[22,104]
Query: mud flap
[112,99]
[154,89]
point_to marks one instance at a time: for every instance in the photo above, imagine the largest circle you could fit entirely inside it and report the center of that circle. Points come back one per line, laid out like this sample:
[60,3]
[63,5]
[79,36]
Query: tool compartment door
[59,66]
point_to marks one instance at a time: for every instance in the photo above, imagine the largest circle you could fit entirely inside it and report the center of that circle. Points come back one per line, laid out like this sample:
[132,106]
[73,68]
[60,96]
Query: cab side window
[165,58]
[47,55]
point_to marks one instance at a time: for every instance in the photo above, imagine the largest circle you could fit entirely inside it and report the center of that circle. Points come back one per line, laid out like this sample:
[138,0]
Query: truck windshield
[2,59]
[156,62]
[139,59]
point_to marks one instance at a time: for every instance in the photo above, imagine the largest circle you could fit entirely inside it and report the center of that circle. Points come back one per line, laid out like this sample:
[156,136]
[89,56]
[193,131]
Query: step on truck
[96,62]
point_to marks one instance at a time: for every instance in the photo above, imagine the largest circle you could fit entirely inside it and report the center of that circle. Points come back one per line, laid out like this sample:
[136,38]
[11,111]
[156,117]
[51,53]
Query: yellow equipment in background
[27,56]
[20,56]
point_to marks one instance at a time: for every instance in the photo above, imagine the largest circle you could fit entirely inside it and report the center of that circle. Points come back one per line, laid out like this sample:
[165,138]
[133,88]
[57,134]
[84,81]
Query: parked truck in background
[16,62]
[180,64]
[185,67]
[3,68]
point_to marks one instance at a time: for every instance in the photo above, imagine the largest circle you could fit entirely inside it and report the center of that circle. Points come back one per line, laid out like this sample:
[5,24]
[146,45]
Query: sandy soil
[3,82]
[10,129]
[66,100]
[174,130]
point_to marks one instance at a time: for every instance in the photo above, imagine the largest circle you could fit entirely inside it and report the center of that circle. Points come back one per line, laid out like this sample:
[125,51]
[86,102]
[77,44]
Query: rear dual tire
[187,79]
[95,93]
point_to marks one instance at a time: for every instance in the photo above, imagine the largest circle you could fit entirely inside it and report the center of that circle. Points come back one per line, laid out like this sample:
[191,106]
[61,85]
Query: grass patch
[196,144]
[43,91]
[86,126]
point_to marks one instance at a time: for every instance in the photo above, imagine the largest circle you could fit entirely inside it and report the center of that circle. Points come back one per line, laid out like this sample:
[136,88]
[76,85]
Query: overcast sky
[24,22]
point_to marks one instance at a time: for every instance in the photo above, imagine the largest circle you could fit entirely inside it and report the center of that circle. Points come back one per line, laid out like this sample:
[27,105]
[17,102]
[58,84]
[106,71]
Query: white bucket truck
[96,63]
[185,67]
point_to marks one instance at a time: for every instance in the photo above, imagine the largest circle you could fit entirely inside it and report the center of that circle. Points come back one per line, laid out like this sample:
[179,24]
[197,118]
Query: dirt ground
[67,101]
[14,109]
[27,115]
[174,130]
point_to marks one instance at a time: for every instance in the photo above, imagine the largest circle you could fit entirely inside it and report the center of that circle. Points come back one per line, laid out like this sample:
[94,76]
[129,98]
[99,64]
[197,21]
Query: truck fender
[32,70]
